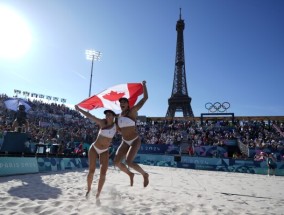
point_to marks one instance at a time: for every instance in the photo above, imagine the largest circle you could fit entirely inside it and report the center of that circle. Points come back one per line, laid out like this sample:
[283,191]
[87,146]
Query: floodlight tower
[93,56]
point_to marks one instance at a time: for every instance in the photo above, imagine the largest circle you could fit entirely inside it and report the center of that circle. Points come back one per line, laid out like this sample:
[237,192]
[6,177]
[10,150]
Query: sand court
[171,191]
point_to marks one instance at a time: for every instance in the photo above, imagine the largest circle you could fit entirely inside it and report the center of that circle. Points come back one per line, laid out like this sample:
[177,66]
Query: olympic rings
[217,107]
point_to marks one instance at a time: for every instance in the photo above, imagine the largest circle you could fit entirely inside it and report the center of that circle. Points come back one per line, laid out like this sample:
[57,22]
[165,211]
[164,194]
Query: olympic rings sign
[217,107]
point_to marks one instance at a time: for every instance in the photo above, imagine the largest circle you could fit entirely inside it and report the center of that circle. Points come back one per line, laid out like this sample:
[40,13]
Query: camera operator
[20,120]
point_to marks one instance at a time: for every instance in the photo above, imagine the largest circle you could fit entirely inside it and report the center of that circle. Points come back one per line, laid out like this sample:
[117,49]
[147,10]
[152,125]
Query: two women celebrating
[130,144]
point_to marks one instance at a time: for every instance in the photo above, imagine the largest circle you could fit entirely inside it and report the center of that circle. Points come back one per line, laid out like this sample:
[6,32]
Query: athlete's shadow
[32,187]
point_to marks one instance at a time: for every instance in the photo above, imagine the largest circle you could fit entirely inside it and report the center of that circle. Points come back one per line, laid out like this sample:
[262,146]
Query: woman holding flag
[100,148]
[131,141]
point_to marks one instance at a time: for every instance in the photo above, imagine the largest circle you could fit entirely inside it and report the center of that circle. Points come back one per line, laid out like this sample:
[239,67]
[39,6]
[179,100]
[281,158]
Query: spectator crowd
[52,123]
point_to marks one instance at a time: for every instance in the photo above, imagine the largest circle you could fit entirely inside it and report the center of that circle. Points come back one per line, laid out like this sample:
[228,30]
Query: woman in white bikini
[130,138]
[100,148]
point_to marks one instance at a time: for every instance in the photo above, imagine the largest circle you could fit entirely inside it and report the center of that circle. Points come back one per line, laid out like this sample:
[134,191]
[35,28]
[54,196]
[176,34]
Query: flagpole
[93,56]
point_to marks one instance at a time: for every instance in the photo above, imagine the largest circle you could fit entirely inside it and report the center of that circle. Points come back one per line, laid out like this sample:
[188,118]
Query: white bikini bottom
[100,151]
[129,142]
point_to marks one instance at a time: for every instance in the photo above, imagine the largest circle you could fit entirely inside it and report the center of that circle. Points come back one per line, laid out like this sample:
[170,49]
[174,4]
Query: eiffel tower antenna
[179,100]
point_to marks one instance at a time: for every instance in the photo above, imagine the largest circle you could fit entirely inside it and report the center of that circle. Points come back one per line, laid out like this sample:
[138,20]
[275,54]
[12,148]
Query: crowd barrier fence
[27,165]
[149,154]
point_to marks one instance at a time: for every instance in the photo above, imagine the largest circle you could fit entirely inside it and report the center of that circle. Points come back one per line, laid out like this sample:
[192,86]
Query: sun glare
[15,36]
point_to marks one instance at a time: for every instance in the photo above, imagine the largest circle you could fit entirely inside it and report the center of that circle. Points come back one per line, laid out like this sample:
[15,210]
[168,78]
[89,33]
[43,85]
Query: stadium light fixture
[93,56]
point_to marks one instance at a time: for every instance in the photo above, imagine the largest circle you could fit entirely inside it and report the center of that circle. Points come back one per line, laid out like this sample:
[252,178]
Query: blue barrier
[59,164]
[156,160]
[214,164]
[17,165]
[23,165]
[159,149]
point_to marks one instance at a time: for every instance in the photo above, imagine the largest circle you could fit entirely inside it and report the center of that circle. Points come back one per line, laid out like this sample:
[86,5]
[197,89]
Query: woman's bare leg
[92,155]
[130,158]
[103,170]
[120,154]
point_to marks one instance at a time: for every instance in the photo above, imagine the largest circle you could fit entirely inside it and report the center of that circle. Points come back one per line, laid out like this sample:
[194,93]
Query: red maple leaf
[113,96]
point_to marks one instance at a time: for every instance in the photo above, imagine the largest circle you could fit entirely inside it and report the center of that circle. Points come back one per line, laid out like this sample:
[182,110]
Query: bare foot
[146,179]
[87,194]
[131,175]
[97,195]
[98,202]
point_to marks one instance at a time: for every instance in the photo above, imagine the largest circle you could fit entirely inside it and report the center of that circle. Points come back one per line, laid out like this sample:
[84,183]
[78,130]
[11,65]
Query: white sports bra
[109,133]
[125,122]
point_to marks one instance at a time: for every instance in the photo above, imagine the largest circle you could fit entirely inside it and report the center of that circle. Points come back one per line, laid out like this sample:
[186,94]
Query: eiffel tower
[179,100]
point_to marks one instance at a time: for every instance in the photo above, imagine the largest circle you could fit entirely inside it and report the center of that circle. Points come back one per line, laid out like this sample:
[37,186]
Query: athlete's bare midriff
[129,133]
[102,142]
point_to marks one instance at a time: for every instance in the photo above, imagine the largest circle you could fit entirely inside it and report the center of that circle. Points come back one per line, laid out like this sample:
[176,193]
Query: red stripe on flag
[91,103]
[135,90]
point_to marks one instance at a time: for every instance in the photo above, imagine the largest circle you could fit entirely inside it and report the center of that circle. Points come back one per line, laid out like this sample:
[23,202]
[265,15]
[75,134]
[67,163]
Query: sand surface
[171,191]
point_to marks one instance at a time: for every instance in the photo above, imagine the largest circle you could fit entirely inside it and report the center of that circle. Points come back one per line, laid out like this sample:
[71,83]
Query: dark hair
[110,111]
[123,99]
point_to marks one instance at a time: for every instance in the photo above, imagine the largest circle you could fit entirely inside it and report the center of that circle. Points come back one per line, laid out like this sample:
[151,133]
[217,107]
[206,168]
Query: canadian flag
[109,98]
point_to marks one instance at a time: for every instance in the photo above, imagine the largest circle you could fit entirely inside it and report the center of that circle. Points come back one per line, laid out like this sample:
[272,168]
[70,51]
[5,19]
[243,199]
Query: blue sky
[234,51]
